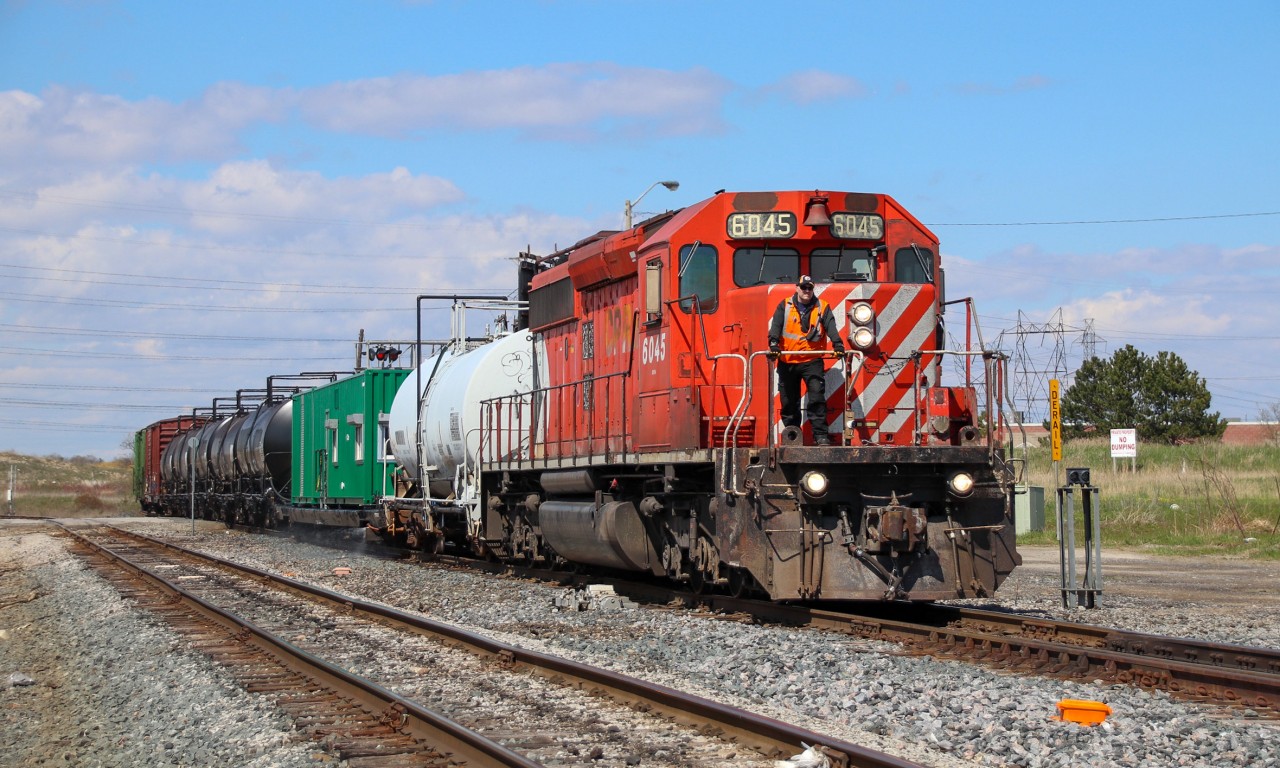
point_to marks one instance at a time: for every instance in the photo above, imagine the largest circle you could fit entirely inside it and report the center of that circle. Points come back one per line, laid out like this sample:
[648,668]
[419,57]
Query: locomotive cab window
[837,265]
[761,266]
[698,268]
[653,291]
[913,265]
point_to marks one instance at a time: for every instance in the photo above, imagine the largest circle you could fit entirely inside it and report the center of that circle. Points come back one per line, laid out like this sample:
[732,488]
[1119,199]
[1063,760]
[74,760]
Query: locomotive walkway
[500,705]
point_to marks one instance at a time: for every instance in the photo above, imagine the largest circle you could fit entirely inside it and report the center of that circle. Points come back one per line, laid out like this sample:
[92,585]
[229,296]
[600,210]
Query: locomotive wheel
[739,582]
[697,581]
[523,543]
[702,565]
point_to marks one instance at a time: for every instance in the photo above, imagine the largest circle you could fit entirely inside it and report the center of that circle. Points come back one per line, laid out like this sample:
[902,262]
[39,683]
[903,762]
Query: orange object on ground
[1083,712]
[342,571]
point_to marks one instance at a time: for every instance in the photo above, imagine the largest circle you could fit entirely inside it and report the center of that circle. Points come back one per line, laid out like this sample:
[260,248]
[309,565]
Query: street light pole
[671,185]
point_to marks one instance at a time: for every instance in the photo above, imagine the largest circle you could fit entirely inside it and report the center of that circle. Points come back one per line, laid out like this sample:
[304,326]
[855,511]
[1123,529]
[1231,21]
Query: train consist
[628,419]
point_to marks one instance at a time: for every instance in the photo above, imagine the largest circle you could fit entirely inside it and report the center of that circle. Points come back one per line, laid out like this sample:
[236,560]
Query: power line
[35,298]
[187,211]
[182,278]
[62,426]
[63,331]
[105,388]
[94,406]
[39,197]
[1105,221]
[268,288]
[188,246]
[166,358]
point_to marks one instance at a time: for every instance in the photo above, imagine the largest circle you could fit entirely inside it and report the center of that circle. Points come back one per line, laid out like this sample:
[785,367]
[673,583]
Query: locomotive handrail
[696,311]
[492,410]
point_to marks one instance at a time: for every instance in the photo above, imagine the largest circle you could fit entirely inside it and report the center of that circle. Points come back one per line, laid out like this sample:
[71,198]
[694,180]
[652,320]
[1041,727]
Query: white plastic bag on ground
[810,758]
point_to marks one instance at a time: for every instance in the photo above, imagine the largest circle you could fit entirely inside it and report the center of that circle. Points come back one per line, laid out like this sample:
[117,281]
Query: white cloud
[551,102]
[44,136]
[256,196]
[814,85]
[1144,311]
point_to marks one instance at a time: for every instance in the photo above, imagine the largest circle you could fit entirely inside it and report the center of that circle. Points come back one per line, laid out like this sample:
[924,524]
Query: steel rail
[1233,675]
[1238,657]
[430,727]
[765,735]
[1183,667]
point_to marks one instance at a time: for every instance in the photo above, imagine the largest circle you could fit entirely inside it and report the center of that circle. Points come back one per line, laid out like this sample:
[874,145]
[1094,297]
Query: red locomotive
[652,438]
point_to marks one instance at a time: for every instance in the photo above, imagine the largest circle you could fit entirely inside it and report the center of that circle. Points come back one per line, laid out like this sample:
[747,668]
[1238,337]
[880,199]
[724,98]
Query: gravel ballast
[936,712]
[112,686]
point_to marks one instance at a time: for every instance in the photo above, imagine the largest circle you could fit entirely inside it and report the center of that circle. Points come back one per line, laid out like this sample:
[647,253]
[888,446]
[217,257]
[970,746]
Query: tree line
[1160,397]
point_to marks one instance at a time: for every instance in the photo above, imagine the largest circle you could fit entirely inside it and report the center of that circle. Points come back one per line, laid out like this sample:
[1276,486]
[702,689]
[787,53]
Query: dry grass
[1197,497]
[53,486]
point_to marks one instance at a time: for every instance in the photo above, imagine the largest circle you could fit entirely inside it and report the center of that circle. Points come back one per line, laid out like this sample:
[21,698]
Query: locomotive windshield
[913,265]
[831,265]
[761,266]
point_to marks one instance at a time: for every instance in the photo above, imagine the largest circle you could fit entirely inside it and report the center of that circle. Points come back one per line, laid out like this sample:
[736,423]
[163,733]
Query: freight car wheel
[435,544]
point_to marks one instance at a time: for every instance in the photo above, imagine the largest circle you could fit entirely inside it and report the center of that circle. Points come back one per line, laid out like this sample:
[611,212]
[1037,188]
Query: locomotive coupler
[895,527]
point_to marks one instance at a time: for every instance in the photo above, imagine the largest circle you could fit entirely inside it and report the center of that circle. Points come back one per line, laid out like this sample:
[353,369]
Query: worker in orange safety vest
[801,326]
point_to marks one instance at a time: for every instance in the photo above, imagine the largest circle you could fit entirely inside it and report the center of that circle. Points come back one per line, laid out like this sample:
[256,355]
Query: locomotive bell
[817,214]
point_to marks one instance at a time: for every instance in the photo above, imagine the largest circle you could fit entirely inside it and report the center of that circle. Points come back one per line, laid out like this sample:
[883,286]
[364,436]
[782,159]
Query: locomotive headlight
[814,484]
[961,483]
[863,338]
[862,313]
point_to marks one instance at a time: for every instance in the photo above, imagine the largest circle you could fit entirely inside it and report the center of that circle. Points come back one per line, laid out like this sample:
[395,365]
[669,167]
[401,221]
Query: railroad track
[486,703]
[1236,676]
[1229,675]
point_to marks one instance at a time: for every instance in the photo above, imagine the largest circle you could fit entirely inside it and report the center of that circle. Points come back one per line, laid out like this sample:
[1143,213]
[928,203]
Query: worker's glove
[839,352]
[774,350]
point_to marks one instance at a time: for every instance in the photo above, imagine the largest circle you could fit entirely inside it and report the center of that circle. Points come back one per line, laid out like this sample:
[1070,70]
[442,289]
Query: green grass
[53,486]
[1196,499]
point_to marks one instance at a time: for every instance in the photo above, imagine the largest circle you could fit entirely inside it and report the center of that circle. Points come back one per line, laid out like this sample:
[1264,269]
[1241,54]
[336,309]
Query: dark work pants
[814,375]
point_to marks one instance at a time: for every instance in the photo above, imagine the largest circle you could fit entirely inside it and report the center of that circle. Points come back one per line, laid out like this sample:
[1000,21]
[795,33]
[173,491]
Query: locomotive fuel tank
[453,386]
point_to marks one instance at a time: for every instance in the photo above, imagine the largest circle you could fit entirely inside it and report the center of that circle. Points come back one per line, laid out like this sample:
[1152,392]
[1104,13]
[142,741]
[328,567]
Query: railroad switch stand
[1091,584]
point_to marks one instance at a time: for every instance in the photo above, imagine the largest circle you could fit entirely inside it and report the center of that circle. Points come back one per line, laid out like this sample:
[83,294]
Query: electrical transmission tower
[1089,340]
[1039,354]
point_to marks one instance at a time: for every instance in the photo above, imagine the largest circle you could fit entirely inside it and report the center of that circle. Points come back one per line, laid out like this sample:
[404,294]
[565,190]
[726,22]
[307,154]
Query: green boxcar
[341,455]
[139,463]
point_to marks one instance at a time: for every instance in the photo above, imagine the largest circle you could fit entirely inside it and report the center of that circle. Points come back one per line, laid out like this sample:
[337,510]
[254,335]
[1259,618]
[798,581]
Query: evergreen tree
[1159,396]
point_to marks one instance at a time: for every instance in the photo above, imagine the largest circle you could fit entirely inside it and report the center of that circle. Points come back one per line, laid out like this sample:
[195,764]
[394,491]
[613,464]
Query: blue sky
[194,196]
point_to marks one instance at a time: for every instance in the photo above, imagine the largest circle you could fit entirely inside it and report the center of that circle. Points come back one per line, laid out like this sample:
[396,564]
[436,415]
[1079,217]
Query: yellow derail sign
[1055,421]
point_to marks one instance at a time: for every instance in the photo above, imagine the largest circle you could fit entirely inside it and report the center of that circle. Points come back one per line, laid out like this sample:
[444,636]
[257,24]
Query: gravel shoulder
[85,680]
[938,712]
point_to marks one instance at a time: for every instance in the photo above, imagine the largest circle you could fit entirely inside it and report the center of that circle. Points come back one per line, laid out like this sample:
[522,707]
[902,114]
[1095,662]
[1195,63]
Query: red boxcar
[149,444]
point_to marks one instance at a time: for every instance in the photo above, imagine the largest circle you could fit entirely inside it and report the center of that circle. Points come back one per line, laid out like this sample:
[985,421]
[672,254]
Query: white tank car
[453,387]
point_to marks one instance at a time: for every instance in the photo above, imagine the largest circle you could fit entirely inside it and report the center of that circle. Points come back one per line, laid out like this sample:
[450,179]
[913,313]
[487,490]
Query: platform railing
[559,425]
